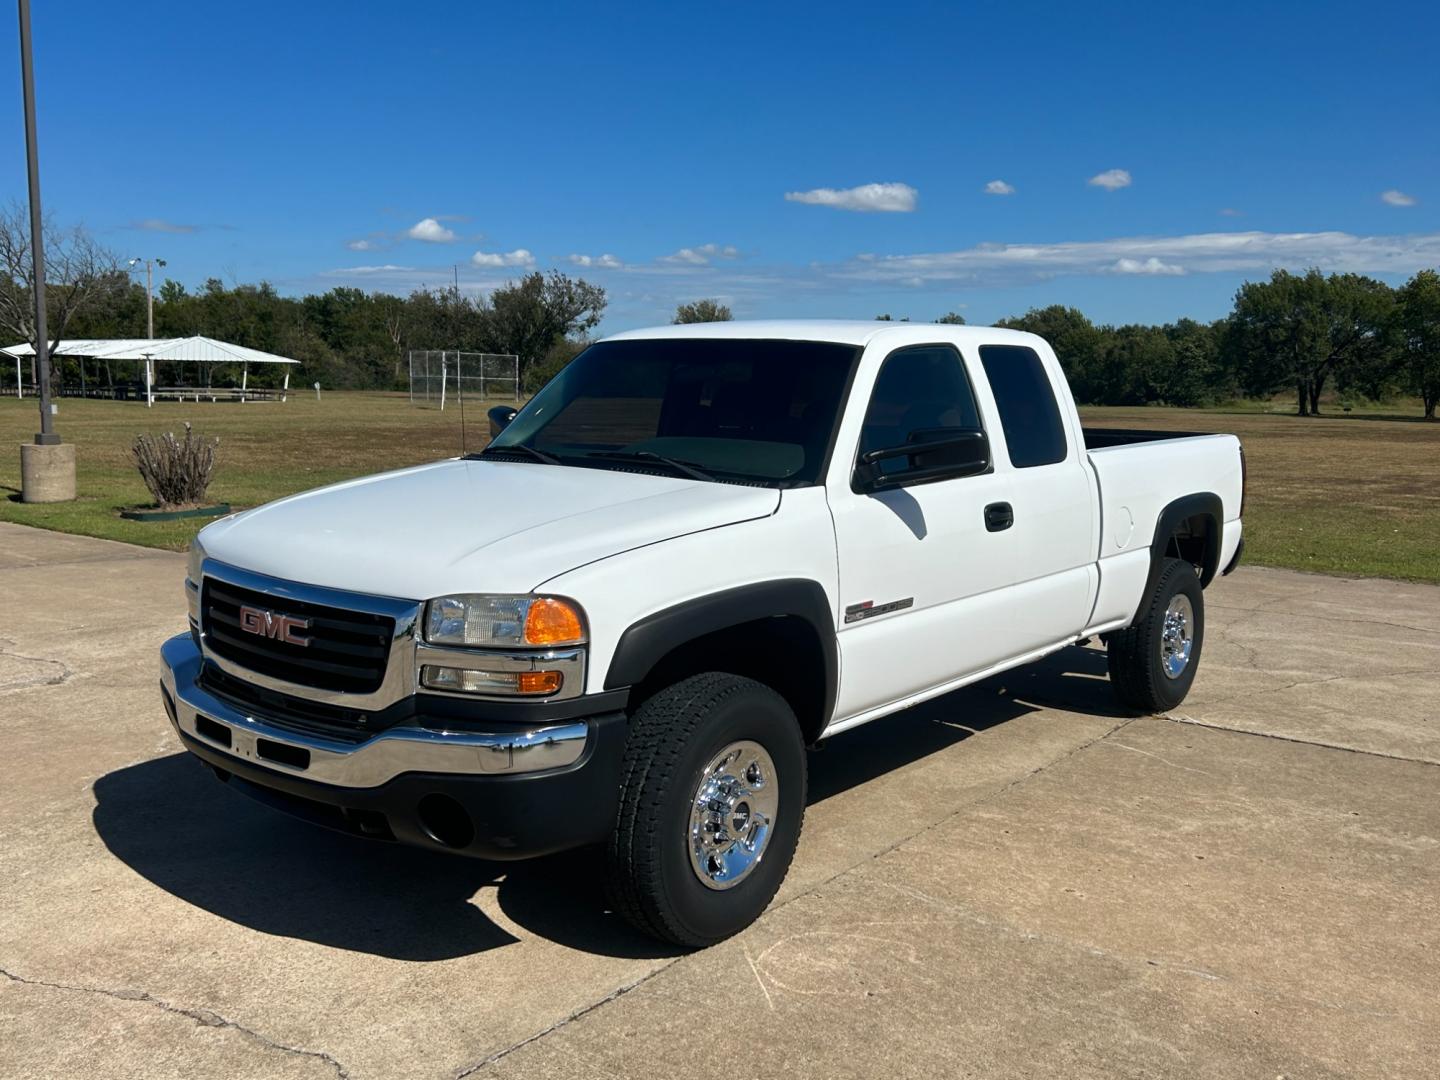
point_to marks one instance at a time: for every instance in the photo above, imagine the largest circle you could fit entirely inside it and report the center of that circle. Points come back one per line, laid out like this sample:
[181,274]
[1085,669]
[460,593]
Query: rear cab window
[1025,398]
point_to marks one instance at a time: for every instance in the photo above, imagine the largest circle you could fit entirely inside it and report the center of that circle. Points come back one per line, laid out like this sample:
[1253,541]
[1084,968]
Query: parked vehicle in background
[696,551]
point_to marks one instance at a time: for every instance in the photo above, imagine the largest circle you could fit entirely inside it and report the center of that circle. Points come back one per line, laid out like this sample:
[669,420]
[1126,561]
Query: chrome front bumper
[369,764]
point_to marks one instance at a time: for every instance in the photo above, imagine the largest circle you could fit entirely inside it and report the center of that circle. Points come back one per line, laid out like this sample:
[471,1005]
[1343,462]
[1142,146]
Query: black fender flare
[1201,504]
[646,642]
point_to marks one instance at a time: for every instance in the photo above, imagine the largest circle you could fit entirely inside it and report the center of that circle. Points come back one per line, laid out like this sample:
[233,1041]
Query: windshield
[735,410]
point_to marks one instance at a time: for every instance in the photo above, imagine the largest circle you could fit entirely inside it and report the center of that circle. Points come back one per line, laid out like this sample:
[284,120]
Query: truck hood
[471,526]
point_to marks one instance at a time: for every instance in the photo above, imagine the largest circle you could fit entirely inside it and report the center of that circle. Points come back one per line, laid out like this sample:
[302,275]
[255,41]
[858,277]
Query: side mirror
[500,417]
[931,454]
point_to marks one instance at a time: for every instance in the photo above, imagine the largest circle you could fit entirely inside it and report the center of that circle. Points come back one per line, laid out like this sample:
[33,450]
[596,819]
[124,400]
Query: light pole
[149,293]
[46,435]
[47,467]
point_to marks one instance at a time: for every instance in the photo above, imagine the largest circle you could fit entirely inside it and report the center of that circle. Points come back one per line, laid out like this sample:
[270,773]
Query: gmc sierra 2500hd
[697,550]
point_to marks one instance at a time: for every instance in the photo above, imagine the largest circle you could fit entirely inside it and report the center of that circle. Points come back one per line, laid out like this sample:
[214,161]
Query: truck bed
[1139,473]
[1105,438]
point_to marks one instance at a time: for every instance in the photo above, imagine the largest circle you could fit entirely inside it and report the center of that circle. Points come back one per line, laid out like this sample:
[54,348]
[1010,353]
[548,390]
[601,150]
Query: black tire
[673,736]
[1137,653]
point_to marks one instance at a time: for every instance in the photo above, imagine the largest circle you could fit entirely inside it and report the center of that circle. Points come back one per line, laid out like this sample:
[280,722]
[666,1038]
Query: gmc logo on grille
[272,624]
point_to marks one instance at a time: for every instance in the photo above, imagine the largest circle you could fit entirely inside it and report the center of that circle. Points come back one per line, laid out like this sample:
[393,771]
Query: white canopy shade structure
[186,350]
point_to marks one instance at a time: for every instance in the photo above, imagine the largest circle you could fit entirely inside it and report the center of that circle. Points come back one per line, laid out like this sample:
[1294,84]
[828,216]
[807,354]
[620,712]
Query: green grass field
[1357,495]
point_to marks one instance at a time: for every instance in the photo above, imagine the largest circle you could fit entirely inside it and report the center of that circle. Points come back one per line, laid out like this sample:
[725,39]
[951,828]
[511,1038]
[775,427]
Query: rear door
[1052,490]
[940,580]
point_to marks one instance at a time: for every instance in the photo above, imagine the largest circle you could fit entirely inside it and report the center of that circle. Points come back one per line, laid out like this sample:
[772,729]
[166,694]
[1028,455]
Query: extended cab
[696,551]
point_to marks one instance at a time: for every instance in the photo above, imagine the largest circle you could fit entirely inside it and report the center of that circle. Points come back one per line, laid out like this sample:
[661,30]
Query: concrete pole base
[47,473]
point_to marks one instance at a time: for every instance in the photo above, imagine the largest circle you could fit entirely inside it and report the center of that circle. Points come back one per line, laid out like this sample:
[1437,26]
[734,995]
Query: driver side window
[921,394]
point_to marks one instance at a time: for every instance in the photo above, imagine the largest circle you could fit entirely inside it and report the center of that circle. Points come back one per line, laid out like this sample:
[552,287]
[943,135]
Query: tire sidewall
[758,714]
[1182,581]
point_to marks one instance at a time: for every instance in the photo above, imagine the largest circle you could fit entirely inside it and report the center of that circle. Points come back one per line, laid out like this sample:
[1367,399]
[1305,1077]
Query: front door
[939,580]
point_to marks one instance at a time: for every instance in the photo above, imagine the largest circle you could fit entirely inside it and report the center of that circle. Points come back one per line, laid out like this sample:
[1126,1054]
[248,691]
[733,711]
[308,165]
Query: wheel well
[1196,539]
[1189,528]
[783,652]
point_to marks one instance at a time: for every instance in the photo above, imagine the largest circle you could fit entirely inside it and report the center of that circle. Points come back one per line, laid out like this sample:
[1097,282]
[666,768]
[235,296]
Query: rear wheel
[711,805]
[1153,661]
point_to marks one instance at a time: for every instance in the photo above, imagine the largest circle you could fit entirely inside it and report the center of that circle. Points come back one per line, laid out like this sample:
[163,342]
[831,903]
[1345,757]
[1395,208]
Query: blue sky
[1151,156]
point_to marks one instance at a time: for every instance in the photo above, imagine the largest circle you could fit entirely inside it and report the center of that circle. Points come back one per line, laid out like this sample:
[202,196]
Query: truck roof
[844,331]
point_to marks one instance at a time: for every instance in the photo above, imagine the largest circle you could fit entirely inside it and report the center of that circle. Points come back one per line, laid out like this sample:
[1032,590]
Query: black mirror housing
[933,454]
[500,417]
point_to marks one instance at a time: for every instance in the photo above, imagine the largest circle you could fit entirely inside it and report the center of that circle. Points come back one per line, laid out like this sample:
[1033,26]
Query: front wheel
[1153,661]
[711,805]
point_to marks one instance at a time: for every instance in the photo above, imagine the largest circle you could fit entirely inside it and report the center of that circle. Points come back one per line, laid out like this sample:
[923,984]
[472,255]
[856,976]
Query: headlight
[485,620]
[192,566]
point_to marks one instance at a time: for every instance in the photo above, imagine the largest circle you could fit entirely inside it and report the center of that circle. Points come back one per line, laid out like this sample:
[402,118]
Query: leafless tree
[394,309]
[78,271]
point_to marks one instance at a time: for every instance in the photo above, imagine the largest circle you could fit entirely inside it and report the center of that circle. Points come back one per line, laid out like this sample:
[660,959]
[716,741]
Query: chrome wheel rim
[733,814]
[1177,636]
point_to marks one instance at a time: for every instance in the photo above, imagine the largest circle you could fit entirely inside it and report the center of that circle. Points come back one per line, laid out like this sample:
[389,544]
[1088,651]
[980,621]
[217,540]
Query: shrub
[177,471]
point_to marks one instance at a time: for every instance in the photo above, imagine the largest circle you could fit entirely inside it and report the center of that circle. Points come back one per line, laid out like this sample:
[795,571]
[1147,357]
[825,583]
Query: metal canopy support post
[19,381]
[149,385]
[285,390]
[244,380]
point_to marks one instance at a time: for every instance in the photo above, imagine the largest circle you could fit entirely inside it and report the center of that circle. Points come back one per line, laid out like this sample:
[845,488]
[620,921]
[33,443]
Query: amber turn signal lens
[553,622]
[540,682]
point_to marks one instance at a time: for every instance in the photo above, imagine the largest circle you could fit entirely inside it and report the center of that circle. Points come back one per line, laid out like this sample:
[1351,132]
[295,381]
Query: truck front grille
[294,713]
[347,649]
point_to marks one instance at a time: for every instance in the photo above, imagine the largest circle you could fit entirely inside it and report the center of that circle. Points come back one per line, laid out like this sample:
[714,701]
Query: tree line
[1309,334]
[350,339]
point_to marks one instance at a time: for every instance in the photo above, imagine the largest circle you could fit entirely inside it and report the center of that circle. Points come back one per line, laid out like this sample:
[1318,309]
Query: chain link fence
[438,375]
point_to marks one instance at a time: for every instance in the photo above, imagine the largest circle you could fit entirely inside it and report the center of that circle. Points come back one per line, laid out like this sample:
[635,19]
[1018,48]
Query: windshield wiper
[538,455]
[690,470]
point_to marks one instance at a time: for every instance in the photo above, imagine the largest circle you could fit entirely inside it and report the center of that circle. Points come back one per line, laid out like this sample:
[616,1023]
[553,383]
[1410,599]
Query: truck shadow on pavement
[173,823]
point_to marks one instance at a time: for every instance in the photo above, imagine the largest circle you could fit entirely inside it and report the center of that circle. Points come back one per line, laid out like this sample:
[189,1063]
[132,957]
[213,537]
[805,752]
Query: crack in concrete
[1249,694]
[1001,926]
[1262,609]
[1226,635]
[1157,757]
[6,649]
[614,995]
[469,1070]
[1177,719]
[203,1017]
[39,564]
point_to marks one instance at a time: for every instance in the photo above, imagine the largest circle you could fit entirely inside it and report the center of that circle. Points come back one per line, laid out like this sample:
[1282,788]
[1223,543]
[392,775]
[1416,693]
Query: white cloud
[1151,265]
[431,231]
[867,198]
[163,226]
[999,187]
[362,245]
[702,255]
[1397,198]
[367,271]
[601,262]
[1230,211]
[1111,179]
[1196,253]
[518,257]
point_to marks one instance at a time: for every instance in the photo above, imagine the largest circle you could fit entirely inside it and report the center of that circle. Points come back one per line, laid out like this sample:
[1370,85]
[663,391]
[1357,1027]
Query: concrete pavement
[1017,879]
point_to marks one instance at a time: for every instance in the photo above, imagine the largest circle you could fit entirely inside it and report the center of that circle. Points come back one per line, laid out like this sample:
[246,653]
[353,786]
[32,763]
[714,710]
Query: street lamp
[149,292]
[47,467]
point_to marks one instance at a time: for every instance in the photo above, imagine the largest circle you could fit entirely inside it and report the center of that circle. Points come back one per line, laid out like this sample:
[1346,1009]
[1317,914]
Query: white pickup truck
[696,551]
